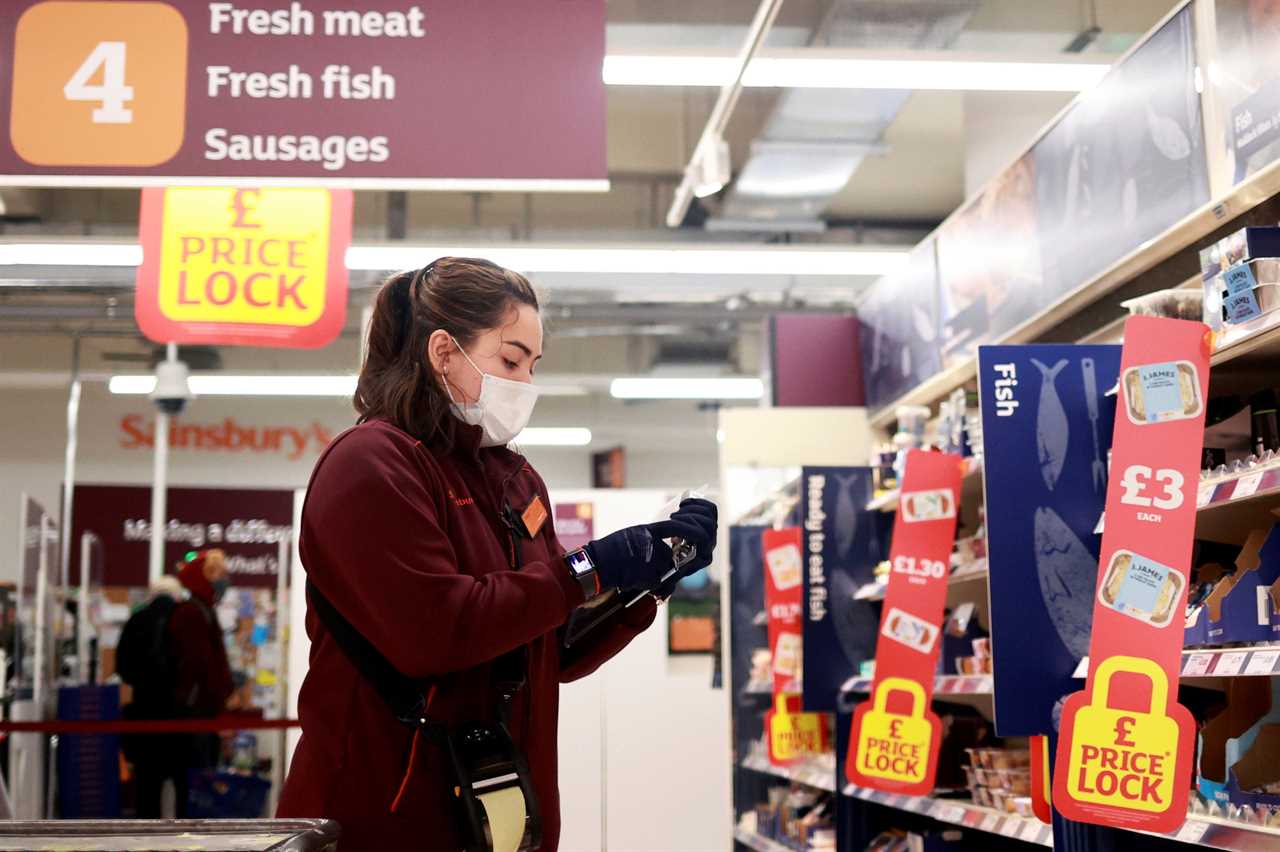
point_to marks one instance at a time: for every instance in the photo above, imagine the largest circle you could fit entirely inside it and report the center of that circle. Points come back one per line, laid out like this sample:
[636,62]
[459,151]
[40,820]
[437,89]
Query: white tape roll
[506,813]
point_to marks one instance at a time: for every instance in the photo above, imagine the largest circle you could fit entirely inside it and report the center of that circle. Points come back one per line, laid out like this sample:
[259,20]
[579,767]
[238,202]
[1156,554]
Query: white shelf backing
[962,813]
[821,776]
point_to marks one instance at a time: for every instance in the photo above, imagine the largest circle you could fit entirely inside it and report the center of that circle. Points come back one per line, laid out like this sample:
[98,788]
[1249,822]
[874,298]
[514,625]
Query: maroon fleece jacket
[407,542]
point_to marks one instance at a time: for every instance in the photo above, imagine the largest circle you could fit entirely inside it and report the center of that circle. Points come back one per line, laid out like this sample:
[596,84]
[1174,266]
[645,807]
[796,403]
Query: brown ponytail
[462,295]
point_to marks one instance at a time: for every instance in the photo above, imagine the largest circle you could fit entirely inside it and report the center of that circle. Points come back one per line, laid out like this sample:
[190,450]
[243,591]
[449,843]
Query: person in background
[172,653]
[424,534]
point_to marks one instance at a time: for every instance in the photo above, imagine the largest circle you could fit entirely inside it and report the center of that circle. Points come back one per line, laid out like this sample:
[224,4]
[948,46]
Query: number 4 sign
[1124,755]
[133,115]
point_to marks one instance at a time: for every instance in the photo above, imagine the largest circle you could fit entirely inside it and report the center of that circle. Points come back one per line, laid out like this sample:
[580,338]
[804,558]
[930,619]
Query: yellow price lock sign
[794,736]
[253,267]
[899,748]
[1122,763]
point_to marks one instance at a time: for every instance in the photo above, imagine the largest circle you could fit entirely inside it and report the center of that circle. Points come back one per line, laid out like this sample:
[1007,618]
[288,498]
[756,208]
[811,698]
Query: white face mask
[502,410]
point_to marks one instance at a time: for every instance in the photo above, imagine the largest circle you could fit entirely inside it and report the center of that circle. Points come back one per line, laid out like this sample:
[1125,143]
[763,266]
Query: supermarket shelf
[809,774]
[970,489]
[972,572]
[962,813]
[1229,509]
[759,842]
[945,686]
[1242,661]
[1216,833]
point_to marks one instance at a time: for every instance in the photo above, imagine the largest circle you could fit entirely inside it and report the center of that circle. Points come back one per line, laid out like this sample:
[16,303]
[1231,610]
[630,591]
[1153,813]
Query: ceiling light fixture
[843,72]
[309,385]
[553,436]
[715,259]
[685,388]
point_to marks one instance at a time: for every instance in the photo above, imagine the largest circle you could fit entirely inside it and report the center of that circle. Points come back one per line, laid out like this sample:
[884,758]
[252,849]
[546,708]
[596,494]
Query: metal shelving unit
[961,813]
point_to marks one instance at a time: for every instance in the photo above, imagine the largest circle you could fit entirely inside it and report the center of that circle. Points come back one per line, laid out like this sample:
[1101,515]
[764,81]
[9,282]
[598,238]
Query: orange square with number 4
[99,84]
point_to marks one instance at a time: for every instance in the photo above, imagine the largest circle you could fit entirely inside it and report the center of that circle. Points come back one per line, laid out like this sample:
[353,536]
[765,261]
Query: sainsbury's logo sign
[137,431]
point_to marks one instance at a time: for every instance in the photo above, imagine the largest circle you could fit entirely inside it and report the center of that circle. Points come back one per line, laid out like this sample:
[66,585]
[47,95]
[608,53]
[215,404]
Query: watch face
[579,562]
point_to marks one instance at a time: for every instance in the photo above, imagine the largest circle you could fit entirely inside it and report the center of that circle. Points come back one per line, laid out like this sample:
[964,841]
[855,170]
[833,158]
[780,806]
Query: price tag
[1011,827]
[1197,665]
[1262,663]
[991,823]
[1192,831]
[987,684]
[1230,663]
[1247,486]
[1204,494]
[1031,831]
[917,805]
[955,814]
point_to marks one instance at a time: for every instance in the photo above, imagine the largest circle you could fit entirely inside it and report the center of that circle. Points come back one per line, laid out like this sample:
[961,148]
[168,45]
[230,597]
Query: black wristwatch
[584,571]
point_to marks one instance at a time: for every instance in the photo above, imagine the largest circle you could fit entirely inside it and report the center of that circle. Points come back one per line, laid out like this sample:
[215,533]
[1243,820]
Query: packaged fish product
[1141,588]
[910,630]
[1156,393]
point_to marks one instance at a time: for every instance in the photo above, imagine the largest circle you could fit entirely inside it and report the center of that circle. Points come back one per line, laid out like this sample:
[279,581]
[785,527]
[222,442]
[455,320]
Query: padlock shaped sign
[792,735]
[1122,758]
[892,751]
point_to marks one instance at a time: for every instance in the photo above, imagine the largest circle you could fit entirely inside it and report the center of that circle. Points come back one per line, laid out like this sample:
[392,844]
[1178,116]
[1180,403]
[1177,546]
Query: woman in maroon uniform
[428,539]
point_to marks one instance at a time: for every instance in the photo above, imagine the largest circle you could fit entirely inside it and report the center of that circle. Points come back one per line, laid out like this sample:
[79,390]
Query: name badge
[534,517]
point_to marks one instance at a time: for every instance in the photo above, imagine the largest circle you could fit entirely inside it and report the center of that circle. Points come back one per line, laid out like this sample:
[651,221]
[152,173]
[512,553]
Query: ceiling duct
[816,138]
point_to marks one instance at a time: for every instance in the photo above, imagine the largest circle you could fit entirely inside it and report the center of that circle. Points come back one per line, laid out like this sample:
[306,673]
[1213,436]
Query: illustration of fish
[1067,573]
[846,514]
[1051,424]
[855,622]
[1168,136]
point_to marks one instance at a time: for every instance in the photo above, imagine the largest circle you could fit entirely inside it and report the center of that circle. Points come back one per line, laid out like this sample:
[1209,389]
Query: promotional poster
[1247,84]
[1126,745]
[894,741]
[1046,426]
[899,328]
[783,603]
[843,542]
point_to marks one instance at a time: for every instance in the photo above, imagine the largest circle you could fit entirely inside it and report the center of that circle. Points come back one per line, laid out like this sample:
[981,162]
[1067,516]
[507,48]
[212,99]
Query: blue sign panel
[842,544]
[1046,425]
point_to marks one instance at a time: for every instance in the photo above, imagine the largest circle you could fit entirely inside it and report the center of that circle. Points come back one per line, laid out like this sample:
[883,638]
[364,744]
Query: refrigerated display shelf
[976,570]
[944,685]
[1228,509]
[759,842]
[961,813]
[1216,833]
[970,487]
[1244,661]
[810,774]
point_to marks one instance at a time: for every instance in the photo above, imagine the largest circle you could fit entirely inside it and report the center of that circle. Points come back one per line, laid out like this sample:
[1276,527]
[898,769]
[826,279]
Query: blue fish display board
[843,542]
[1046,426]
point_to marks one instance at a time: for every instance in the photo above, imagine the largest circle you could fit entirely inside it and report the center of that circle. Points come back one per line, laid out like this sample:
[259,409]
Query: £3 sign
[252,267]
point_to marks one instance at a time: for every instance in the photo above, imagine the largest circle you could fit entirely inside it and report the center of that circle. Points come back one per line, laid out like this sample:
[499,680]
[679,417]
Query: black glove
[704,513]
[638,557]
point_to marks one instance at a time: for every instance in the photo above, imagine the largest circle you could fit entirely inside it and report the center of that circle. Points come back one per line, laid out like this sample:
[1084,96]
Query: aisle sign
[894,737]
[783,605]
[248,267]
[393,95]
[1125,751]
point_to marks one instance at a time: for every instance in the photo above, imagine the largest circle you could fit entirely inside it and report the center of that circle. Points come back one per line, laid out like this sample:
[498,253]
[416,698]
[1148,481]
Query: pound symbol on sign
[894,727]
[1123,724]
[242,209]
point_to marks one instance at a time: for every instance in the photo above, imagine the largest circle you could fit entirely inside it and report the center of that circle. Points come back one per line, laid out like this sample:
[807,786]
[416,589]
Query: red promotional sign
[783,591]
[893,745]
[248,267]
[448,95]
[1041,786]
[1124,756]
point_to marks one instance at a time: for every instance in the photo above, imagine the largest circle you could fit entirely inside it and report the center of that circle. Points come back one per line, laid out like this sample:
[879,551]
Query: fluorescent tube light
[313,385]
[848,73]
[70,254]
[669,260]
[719,259]
[220,385]
[553,436]
[683,388]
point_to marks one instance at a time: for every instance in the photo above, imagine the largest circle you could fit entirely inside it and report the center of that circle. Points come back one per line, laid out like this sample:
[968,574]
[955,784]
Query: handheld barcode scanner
[605,604]
[498,805]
